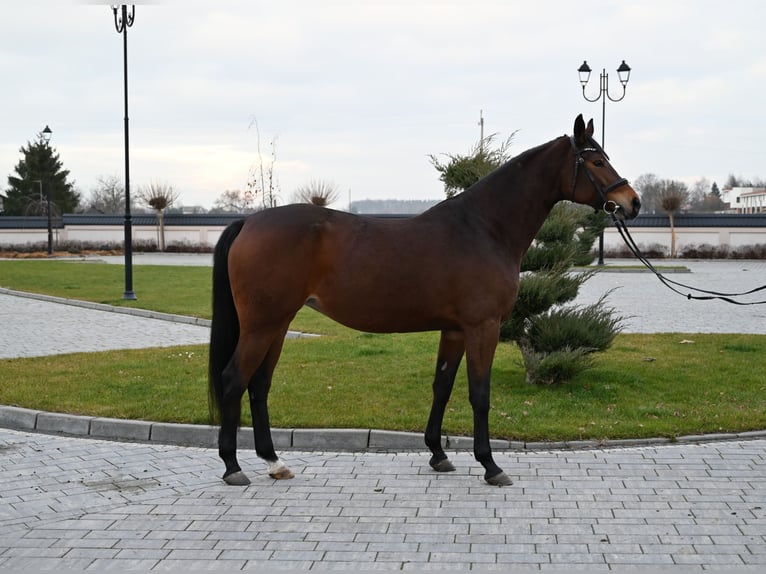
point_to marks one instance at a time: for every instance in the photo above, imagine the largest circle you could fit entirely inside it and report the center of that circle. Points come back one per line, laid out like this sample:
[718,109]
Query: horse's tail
[224,330]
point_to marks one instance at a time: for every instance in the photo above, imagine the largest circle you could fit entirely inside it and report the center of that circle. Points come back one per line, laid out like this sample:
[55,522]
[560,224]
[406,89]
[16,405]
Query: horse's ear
[579,130]
[589,130]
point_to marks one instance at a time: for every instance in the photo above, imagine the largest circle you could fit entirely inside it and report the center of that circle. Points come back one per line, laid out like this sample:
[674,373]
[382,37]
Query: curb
[145,313]
[343,440]
[617,269]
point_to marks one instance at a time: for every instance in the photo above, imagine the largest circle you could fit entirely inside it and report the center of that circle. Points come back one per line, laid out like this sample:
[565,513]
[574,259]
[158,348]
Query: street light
[47,133]
[122,21]
[623,73]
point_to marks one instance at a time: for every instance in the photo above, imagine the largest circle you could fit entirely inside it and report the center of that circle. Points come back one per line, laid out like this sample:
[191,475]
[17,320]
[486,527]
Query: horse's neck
[516,199]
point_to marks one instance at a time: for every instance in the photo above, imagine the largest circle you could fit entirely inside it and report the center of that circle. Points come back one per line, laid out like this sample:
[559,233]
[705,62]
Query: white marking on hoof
[238,478]
[279,470]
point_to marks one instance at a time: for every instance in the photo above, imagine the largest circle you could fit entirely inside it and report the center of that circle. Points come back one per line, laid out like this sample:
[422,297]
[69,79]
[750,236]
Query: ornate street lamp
[46,134]
[623,73]
[123,19]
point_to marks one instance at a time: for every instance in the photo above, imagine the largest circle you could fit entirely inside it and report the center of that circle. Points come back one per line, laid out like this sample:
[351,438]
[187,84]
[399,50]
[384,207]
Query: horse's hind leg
[231,408]
[451,349]
[250,368]
[258,391]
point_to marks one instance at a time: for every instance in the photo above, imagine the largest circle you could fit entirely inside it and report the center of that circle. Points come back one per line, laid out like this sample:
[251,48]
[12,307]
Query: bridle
[609,207]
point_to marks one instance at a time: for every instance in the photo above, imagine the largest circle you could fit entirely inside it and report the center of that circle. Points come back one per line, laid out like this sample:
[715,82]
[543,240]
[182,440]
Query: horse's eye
[599,163]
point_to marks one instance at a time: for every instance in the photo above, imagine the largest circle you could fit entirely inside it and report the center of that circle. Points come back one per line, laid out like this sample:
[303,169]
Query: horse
[454,268]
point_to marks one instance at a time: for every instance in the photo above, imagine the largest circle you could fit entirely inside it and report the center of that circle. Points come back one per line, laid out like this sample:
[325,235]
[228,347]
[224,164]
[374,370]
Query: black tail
[224,331]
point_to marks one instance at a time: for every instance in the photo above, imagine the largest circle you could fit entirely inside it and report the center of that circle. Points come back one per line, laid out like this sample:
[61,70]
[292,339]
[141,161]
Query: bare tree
[158,196]
[697,193]
[108,196]
[316,192]
[235,201]
[261,181]
[647,185]
[672,196]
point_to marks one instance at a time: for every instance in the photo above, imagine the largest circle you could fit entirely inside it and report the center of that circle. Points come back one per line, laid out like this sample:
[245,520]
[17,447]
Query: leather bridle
[610,207]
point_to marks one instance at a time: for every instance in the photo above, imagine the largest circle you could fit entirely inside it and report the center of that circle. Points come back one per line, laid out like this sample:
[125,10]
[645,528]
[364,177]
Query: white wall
[208,235]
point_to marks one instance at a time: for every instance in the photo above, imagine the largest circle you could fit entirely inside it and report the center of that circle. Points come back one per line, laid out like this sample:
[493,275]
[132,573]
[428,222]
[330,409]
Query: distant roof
[701,220]
[754,193]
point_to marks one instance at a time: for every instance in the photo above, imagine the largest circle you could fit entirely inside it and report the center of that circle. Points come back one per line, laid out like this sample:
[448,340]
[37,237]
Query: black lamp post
[623,72]
[122,21]
[47,133]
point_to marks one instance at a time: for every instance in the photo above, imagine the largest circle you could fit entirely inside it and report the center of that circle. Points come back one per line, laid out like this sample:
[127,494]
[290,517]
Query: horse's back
[368,273]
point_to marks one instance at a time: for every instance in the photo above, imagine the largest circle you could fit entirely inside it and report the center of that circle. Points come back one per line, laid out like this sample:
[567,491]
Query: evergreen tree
[557,341]
[462,171]
[39,173]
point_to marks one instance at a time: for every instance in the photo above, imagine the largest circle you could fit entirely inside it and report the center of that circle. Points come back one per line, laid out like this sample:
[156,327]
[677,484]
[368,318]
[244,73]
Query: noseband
[609,207]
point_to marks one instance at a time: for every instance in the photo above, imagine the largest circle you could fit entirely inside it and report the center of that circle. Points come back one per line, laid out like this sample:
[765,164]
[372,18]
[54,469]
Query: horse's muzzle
[613,208]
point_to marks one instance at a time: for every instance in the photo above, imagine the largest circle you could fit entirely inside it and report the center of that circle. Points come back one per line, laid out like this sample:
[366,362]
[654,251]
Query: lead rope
[671,284]
[628,239]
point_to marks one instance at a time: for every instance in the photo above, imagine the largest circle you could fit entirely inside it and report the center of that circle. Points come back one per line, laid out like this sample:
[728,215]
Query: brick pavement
[74,503]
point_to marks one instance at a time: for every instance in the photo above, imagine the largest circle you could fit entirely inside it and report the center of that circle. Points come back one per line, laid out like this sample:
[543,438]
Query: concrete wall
[688,236]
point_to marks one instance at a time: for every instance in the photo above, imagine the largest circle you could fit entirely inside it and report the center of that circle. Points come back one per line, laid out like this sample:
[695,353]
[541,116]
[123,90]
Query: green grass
[172,289]
[644,386]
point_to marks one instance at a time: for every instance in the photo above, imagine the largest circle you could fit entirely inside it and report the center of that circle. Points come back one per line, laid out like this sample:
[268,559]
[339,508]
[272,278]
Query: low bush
[557,345]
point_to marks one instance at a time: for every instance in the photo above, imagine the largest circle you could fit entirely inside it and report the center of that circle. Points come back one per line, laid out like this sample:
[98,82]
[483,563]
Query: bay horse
[453,268]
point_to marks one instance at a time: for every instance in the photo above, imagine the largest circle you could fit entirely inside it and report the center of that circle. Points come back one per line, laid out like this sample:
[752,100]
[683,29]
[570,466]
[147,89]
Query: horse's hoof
[500,479]
[283,474]
[238,478]
[278,470]
[443,465]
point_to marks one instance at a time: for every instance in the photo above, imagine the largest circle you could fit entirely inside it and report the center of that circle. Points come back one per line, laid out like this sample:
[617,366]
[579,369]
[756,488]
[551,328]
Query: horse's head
[595,182]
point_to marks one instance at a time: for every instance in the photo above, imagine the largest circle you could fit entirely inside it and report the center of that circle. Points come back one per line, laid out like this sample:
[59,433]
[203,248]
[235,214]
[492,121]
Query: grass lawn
[644,386]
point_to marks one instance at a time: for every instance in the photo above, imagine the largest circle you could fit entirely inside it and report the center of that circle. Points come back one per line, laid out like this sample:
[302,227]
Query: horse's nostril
[636,204]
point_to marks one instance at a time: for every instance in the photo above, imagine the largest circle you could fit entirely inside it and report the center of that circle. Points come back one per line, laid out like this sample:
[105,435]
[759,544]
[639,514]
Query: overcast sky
[359,93]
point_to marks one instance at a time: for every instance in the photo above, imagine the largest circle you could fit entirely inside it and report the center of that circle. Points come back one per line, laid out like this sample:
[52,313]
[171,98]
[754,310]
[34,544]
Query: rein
[706,295]
[610,208]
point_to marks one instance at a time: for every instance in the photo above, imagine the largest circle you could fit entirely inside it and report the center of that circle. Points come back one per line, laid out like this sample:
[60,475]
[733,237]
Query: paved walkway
[81,503]
[96,505]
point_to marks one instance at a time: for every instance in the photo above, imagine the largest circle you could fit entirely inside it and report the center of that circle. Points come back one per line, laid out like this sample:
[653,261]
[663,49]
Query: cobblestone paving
[97,505]
[650,307]
[32,328]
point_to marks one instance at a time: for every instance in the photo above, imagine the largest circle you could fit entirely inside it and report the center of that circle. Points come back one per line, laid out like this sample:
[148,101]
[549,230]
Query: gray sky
[360,93]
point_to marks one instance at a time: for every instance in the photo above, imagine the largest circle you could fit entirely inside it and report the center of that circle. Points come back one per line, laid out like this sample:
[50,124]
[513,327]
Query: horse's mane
[513,162]
[500,171]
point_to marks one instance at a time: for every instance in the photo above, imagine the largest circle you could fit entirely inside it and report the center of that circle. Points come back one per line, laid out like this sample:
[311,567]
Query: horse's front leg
[451,348]
[480,352]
